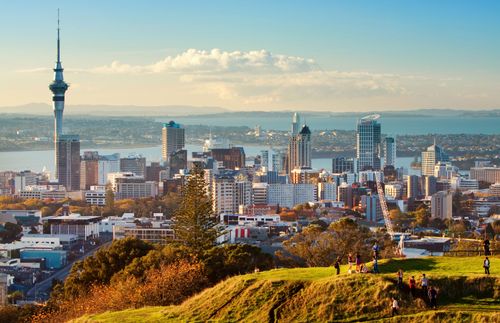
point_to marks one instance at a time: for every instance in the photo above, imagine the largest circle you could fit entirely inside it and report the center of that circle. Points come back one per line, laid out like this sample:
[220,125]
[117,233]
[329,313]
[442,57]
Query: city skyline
[341,56]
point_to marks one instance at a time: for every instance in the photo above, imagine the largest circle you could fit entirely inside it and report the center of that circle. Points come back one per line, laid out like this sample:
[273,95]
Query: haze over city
[260,55]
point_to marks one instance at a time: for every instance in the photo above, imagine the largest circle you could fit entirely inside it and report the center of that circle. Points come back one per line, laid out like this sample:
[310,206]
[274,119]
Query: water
[37,160]
[390,125]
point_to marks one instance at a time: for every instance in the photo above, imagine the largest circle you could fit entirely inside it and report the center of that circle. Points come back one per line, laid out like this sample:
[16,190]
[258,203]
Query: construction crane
[385,212]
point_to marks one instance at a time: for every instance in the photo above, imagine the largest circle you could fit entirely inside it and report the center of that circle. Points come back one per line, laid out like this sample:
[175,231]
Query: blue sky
[332,55]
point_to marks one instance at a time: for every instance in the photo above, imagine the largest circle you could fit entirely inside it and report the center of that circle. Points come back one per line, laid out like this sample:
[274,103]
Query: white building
[42,192]
[96,196]
[327,191]
[441,205]
[127,185]
[224,194]
[260,193]
[281,194]
[107,164]
[393,191]
[464,184]
[495,189]
[303,193]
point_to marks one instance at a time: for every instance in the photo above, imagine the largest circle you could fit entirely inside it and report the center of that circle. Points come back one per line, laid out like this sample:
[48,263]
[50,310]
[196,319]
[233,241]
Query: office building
[224,194]
[441,205]
[371,204]
[345,194]
[127,185]
[231,158]
[486,174]
[393,191]
[430,185]
[89,170]
[260,193]
[23,179]
[84,227]
[243,192]
[68,161]
[107,164]
[134,164]
[412,186]
[342,165]
[431,157]
[389,151]
[304,175]
[299,149]
[178,161]
[327,191]
[368,143]
[264,159]
[280,194]
[303,193]
[278,161]
[173,138]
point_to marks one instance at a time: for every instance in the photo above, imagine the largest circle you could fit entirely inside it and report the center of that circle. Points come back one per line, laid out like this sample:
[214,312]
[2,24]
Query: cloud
[260,77]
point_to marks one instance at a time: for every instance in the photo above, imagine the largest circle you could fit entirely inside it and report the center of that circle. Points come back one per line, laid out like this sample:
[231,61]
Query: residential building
[224,194]
[441,205]
[413,187]
[486,174]
[89,169]
[389,151]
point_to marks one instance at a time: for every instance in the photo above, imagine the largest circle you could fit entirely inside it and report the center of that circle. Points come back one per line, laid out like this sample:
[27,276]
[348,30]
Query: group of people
[356,261]
[430,292]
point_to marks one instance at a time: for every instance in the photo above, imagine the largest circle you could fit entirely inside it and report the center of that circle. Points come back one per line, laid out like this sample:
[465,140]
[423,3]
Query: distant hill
[317,295]
[218,112]
[113,110]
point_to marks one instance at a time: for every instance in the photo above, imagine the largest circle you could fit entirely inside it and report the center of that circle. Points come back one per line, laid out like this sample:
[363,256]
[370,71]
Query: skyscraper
[389,151]
[295,123]
[368,143]
[172,139]
[68,161]
[431,157]
[58,88]
[299,149]
[134,164]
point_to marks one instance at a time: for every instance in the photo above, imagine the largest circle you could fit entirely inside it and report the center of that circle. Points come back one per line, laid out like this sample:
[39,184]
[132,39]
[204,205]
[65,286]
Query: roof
[305,130]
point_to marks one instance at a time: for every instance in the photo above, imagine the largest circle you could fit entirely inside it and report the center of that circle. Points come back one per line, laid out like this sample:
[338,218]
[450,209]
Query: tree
[194,221]
[100,268]
[316,247]
[110,197]
[10,233]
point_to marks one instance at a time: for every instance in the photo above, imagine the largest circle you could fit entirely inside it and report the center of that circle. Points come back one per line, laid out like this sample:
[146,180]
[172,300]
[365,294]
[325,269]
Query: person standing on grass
[375,249]
[336,265]
[425,283]
[375,265]
[395,306]
[433,297]
[486,246]
[358,263]
[486,266]
[400,278]
[413,286]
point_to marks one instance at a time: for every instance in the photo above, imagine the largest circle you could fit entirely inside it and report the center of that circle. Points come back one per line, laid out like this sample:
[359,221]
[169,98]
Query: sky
[256,55]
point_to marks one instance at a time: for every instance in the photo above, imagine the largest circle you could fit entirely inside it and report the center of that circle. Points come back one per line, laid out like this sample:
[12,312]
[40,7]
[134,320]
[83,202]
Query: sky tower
[58,88]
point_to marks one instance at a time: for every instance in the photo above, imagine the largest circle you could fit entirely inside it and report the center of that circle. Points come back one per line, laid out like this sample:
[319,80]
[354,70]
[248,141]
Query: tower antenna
[58,39]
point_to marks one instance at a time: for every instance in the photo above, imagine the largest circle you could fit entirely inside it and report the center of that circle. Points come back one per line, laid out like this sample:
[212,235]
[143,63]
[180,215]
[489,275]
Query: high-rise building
[178,161]
[371,204]
[23,179]
[295,124]
[278,161]
[107,164]
[224,194]
[430,185]
[344,194]
[441,205]
[172,139]
[264,155]
[231,158]
[368,143]
[58,88]
[430,157]
[389,151]
[412,186]
[134,164]
[89,170]
[342,165]
[68,161]
[299,149]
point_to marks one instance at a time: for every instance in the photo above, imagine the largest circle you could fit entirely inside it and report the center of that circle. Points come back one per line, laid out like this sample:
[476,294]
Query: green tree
[100,268]
[10,233]
[194,221]
[110,197]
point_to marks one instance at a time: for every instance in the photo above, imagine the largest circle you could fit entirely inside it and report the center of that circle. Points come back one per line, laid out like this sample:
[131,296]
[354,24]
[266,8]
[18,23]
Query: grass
[317,295]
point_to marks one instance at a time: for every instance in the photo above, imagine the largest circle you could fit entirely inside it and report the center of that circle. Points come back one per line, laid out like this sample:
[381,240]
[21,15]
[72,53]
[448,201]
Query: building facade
[68,161]
[368,144]
[173,139]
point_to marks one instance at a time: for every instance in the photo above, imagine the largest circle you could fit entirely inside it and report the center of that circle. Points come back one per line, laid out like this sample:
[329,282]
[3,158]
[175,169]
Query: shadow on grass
[419,264]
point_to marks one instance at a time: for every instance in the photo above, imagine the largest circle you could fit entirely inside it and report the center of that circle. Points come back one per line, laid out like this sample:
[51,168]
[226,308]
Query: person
[433,297]
[375,250]
[395,306]
[424,281]
[486,265]
[358,263]
[412,286]
[256,270]
[486,246]
[375,265]
[337,265]
[400,278]
[350,261]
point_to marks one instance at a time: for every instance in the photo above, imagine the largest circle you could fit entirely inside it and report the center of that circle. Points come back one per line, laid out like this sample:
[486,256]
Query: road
[40,291]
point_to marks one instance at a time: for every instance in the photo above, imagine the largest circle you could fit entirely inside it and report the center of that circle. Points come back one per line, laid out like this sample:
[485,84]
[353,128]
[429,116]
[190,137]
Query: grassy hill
[317,295]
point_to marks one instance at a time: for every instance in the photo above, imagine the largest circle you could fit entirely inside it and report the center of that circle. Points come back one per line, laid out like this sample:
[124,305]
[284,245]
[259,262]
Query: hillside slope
[316,295]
